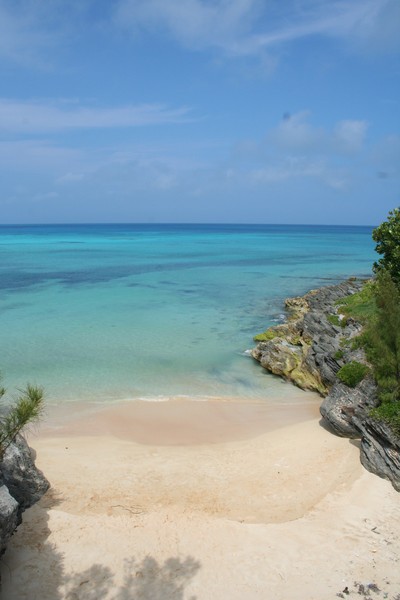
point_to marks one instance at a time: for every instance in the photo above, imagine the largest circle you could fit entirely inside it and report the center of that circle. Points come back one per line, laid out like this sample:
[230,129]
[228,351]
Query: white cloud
[27,31]
[296,133]
[34,32]
[37,155]
[298,149]
[249,27]
[41,117]
[350,135]
[194,23]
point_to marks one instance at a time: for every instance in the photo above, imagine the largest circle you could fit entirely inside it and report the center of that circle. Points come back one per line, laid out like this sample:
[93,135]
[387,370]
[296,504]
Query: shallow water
[107,312]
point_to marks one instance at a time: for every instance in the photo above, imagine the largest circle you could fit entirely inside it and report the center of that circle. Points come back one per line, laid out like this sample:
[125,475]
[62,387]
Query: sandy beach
[205,500]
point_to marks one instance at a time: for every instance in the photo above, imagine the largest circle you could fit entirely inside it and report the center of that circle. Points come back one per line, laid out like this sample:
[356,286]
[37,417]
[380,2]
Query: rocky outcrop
[309,349]
[21,486]
[380,450]
[344,404]
[305,349]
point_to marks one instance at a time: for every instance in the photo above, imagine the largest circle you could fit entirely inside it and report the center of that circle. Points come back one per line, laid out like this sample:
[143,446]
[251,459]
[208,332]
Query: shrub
[382,339]
[389,413]
[387,236]
[336,320]
[352,373]
[361,305]
[27,408]
[338,355]
[266,336]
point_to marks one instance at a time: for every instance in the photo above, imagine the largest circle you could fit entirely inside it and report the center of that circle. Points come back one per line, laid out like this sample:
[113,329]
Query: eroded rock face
[343,405]
[21,486]
[380,450]
[305,351]
[304,348]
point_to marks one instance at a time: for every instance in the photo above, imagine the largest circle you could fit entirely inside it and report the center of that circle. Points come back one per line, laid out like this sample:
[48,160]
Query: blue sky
[253,111]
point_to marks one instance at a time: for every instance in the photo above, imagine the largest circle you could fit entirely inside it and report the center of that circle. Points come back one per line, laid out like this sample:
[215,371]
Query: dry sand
[204,500]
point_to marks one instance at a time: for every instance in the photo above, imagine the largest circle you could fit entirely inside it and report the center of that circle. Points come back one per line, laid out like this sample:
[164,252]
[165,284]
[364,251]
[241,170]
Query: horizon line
[185,223]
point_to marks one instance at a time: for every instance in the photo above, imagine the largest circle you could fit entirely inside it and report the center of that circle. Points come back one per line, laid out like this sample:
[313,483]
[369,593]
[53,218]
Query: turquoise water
[108,312]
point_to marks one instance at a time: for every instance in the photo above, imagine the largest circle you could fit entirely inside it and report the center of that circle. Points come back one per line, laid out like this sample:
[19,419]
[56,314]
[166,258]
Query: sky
[224,111]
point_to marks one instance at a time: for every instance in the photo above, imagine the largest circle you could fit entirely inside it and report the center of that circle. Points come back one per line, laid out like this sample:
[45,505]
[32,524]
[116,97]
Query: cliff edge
[309,350]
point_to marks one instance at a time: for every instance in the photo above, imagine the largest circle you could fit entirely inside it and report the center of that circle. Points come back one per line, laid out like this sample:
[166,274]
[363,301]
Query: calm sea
[108,312]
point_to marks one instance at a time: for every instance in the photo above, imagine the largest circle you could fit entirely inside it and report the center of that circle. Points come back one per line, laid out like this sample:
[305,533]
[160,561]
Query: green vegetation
[381,339]
[377,306]
[360,306]
[333,320]
[389,413]
[336,320]
[338,355]
[26,408]
[387,236]
[352,373]
[266,336]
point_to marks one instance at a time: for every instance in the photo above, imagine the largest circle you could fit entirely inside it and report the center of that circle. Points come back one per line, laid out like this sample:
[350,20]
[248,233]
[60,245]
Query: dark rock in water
[302,350]
[21,486]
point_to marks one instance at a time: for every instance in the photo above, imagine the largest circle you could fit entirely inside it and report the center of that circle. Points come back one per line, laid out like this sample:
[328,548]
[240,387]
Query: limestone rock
[21,486]
[9,516]
[380,450]
[304,350]
[343,404]
[280,357]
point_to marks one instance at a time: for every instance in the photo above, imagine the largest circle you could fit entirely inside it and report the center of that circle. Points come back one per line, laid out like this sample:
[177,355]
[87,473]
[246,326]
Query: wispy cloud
[33,32]
[248,27]
[28,32]
[47,117]
[296,133]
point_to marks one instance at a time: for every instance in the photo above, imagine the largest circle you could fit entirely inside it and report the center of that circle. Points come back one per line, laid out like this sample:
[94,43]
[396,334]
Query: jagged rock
[9,516]
[304,351]
[380,450]
[304,347]
[21,486]
[280,357]
[342,404]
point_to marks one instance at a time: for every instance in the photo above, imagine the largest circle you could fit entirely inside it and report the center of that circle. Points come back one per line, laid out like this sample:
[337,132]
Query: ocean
[102,313]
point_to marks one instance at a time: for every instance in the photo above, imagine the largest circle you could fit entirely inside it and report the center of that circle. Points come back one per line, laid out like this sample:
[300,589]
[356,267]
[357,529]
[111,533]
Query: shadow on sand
[32,569]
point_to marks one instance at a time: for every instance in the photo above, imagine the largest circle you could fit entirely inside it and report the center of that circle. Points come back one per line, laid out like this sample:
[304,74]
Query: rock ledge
[308,350]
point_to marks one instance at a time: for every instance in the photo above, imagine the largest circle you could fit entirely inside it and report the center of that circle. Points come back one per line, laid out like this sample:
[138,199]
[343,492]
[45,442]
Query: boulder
[343,404]
[21,486]
[380,450]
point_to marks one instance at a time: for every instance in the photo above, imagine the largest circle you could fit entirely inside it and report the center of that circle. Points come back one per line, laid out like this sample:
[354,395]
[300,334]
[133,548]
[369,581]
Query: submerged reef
[313,349]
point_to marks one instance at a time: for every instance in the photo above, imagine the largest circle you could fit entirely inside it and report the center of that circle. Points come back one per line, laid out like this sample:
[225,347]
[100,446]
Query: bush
[387,236]
[338,355]
[389,413]
[266,336]
[27,408]
[360,306]
[352,373]
[382,339]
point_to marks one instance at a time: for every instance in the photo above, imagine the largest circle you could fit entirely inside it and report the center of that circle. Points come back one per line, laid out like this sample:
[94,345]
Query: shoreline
[177,420]
[283,513]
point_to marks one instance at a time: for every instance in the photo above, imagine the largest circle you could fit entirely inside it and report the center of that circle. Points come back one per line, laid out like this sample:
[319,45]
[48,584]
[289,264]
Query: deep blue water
[104,312]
